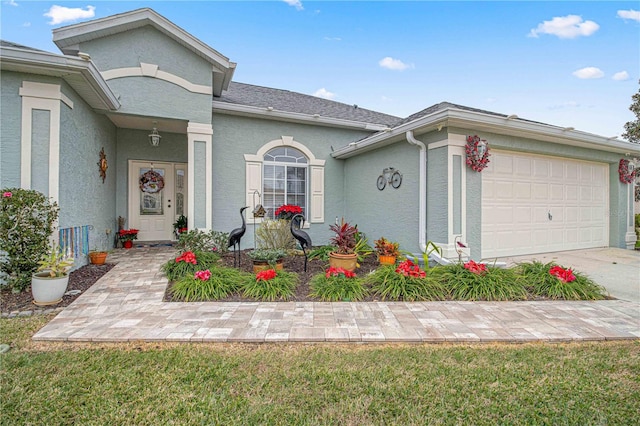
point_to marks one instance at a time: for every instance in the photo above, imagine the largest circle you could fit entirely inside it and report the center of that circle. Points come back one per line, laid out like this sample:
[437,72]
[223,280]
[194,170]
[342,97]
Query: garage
[536,204]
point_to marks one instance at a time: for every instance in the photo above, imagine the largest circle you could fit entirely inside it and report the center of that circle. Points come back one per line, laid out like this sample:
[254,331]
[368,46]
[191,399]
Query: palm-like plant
[345,237]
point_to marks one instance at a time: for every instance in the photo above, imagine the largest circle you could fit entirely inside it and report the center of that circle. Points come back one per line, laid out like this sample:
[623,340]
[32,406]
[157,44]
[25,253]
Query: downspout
[422,199]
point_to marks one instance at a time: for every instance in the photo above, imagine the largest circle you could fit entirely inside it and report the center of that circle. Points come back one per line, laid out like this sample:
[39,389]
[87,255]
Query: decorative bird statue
[236,235]
[302,237]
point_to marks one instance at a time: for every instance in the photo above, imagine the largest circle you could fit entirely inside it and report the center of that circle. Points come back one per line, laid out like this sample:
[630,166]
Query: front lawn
[162,383]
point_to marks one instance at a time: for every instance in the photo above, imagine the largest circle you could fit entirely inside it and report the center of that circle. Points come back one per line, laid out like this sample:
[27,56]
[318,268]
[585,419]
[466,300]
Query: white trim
[152,71]
[200,132]
[454,150]
[45,97]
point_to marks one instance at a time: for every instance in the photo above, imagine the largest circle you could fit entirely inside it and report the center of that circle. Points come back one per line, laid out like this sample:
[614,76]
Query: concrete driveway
[618,270]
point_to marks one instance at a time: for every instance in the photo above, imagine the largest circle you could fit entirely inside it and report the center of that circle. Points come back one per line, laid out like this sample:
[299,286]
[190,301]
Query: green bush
[221,283]
[494,284]
[177,268]
[280,287]
[335,286]
[196,240]
[536,277]
[275,234]
[389,284]
[321,253]
[27,220]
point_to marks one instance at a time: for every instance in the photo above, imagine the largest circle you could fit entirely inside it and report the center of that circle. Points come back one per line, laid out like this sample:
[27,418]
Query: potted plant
[180,226]
[287,211]
[49,282]
[98,257]
[387,251]
[264,259]
[127,236]
[344,242]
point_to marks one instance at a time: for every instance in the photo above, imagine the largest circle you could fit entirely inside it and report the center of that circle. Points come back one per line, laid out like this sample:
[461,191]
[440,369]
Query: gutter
[422,211]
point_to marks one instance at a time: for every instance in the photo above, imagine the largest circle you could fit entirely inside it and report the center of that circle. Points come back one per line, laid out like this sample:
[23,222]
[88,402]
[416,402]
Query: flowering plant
[410,269]
[476,268]
[202,275]
[187,257]
[128,234]
[339,272]
[345,237]
[626,176]
[287,211]
[27,220]
[476,159]
[387,248]
[564,275]
[266,275]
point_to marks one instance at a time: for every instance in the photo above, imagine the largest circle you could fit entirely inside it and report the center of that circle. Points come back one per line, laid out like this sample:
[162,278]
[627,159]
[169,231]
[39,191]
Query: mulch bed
[80,279]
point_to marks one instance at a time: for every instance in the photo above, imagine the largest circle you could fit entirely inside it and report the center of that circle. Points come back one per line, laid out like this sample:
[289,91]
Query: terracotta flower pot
[259,266]
[348,262]
[98,257]
[387,260]
[127,244]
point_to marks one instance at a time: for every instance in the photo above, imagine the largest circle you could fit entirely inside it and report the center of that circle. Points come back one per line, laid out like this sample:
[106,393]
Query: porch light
[482,148]
[631,166]
[154,136]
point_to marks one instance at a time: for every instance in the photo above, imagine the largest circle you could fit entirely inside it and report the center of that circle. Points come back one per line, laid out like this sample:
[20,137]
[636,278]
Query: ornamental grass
[406,282]
[555,282]
[337,284]
[476,281]
[271,285]
[218,283]
[188,263]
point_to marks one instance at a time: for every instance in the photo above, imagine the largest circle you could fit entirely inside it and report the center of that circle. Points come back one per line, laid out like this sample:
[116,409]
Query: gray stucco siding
[84,199]
[11,113]
[391,213]
[234,136]
[437,195]
[148,45]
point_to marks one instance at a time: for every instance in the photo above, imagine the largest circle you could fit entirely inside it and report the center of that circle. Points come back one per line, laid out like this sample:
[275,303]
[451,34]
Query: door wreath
[151,182]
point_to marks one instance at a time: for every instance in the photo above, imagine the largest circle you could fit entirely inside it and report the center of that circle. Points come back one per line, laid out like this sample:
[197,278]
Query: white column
[200,132]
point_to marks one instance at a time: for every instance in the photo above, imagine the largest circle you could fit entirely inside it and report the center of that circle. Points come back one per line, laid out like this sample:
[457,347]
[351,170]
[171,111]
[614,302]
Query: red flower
[203,275]
[266,275]
[564,275]
[287,211]
[410,269]
[187,257]
[339,272]
[7,194]
[476,268]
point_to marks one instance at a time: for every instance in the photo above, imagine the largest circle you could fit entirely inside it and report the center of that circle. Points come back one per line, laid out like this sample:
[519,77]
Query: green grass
[193,384]
[281,287]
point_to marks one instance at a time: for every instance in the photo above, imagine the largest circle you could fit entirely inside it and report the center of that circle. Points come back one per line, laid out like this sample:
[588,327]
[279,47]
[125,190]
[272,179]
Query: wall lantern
[154,136]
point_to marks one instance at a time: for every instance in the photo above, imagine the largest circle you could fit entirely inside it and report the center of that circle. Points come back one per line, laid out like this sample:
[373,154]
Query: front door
[157,197]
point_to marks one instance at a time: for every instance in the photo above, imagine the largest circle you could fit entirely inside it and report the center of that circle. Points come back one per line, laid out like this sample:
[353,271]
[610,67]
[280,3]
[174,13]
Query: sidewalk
[126,305]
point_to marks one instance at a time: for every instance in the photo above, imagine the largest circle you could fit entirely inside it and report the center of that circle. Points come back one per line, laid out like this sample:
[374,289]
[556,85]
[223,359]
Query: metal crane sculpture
[303,238]
[236,235]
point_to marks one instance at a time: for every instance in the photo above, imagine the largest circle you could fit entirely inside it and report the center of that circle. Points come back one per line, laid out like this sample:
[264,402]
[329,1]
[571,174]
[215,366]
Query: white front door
[157,197]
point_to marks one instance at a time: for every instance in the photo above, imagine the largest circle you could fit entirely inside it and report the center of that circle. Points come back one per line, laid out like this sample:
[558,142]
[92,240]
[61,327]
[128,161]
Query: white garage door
[535,204]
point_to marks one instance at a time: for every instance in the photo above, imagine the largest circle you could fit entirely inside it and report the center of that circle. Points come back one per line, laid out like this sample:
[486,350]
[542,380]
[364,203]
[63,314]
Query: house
[179,136]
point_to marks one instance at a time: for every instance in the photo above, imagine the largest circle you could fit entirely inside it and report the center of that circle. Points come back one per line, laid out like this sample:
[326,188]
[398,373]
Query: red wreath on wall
[477,158]
[626,176]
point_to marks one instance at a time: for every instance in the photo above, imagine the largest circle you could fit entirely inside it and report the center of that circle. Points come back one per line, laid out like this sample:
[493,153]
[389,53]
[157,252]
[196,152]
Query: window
[284,171]
[284,179]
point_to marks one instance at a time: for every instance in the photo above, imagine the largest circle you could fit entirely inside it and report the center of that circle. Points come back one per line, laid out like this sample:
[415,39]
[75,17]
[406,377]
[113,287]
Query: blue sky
[567,63]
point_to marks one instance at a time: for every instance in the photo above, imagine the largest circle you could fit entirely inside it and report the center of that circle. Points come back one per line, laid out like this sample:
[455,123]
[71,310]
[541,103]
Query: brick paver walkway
[126,305]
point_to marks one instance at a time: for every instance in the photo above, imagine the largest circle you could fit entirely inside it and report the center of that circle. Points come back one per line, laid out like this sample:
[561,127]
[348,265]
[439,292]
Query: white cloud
[295,3]
[570,26]
[11,3]
[61,14]
[26,24]
[629,14]
[333,38]
[324,93]
[589,72]
[621,76]
[393,64]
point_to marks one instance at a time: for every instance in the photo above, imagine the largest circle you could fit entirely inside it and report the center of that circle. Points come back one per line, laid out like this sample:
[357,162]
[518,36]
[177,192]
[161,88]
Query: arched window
[284,179]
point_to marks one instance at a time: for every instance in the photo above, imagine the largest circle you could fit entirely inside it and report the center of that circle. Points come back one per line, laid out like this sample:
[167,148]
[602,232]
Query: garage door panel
[519,192]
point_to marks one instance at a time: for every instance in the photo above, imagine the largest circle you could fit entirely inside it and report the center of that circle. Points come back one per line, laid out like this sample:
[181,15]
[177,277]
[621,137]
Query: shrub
[196,240]
[184,265]
[275,234]
[405,282]
[271,285]
[537,277]
[337,284]
[218,283]
[475,281]
[321,253]
[267,255]
[27,220]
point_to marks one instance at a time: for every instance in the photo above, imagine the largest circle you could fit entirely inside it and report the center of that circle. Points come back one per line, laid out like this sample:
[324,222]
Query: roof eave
[36,62]
[490,123]
[295,117]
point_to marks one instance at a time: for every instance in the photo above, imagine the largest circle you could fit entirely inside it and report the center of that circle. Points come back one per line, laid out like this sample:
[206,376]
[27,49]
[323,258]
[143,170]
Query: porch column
[199,175]
[630,237]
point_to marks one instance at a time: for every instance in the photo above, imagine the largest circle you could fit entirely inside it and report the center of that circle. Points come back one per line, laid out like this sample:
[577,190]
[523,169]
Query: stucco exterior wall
[235,136]
[10,111]
[84,198]
[146,95]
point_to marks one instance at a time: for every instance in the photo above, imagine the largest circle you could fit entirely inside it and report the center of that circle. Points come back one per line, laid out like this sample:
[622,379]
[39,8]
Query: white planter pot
[47,290]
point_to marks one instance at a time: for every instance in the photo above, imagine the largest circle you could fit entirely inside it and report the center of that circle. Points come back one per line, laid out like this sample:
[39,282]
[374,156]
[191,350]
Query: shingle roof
[285,100]
[6,43]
